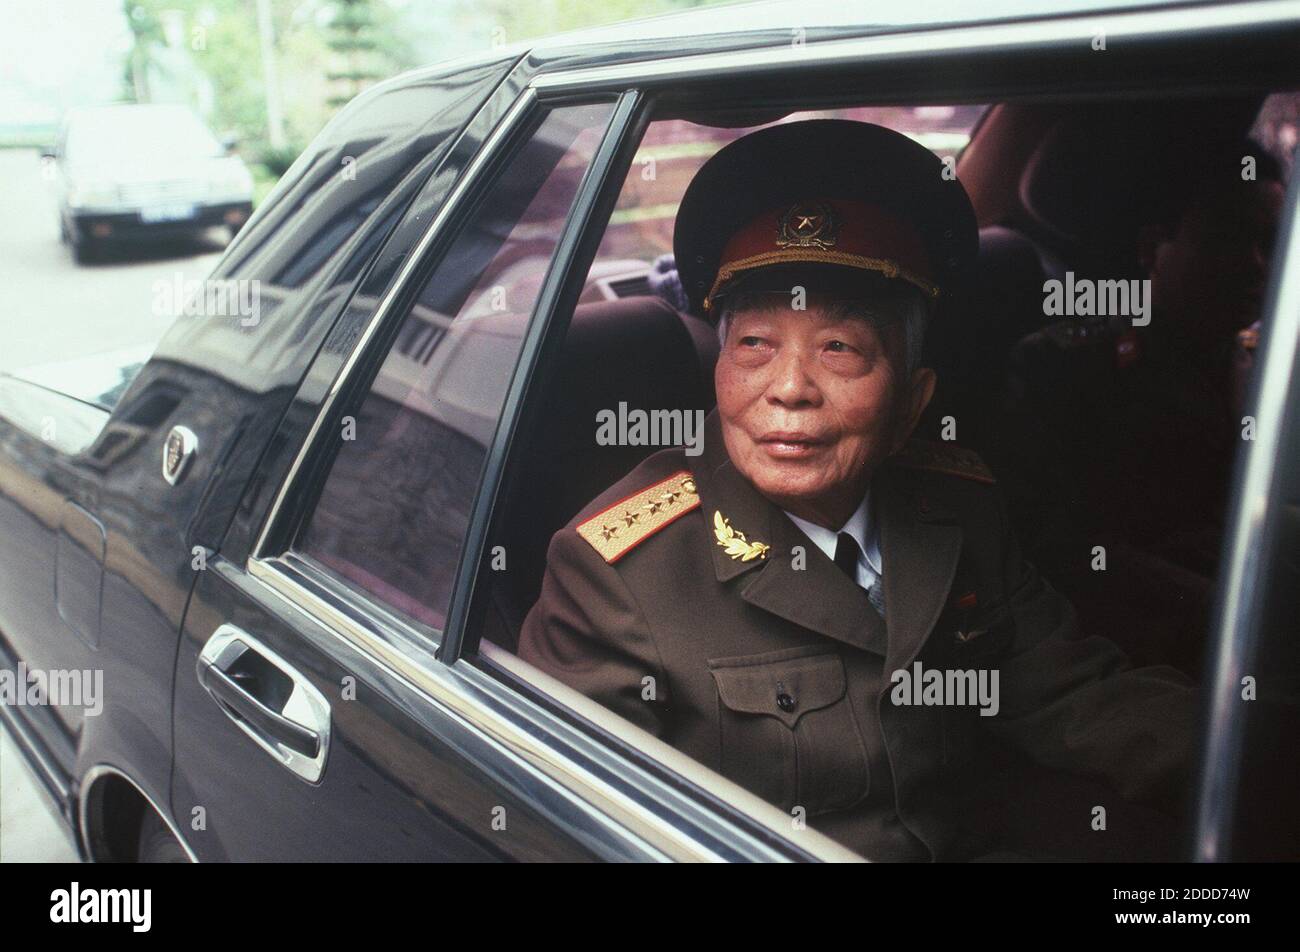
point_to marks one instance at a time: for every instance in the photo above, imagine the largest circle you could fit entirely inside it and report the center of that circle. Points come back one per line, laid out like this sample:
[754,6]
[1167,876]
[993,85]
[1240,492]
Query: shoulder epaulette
[943,458]
[620,528]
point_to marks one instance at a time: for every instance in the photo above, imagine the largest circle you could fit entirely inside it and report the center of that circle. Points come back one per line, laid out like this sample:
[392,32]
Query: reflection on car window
[394,511]
[673,150]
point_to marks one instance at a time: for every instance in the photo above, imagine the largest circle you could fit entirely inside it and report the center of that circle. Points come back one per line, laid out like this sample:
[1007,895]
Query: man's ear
[919,393]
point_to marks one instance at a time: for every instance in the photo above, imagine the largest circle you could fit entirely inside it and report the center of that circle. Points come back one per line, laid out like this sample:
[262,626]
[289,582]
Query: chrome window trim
[936,41]
[512,120]
[629,799]
[83,801]
[1235,630]
[688,768]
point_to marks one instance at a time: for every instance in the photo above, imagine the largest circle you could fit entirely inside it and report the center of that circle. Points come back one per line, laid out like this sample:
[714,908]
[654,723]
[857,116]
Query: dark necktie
[846,555]
[847,552]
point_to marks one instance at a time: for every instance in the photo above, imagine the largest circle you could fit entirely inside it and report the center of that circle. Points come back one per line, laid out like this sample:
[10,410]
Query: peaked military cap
[829,196]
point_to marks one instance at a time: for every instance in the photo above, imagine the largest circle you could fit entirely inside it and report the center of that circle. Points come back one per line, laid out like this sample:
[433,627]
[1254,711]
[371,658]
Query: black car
[299,541]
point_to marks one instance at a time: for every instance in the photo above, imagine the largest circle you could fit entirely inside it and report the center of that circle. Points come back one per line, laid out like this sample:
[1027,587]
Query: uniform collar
[724,490]
[915,536]
[861,526]
[805,586]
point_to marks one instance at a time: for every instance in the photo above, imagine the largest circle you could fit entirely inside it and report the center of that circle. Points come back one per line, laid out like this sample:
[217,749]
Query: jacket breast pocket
[788,729]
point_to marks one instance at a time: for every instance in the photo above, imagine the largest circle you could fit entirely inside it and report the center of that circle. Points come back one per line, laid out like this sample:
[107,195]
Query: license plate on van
[166,213]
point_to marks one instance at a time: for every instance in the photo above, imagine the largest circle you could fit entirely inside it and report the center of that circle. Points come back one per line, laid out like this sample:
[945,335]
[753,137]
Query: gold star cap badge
[808,225]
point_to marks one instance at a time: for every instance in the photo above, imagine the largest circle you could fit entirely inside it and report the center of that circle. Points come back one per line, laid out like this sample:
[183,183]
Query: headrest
[1086,181]
[639,350]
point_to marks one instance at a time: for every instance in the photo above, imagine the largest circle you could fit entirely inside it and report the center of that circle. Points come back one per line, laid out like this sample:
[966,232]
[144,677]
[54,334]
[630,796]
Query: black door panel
[396,784]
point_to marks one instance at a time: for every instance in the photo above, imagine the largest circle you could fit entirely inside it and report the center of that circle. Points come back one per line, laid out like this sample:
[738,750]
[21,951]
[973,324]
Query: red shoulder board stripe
[620,528]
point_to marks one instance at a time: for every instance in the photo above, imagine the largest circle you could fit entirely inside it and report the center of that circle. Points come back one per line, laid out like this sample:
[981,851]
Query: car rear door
[307,723]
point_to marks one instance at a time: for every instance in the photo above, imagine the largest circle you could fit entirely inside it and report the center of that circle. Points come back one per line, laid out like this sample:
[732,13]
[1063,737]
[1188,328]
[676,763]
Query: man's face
[811,402]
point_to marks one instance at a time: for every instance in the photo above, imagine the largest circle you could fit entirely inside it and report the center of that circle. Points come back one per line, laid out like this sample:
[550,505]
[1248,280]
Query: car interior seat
[639,351]
[968,343]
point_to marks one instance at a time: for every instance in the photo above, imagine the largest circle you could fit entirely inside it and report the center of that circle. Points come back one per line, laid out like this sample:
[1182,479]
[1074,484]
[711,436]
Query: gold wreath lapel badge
[734,541]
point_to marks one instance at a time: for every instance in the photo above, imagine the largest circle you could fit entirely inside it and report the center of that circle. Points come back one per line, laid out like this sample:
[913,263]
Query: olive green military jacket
[689,604]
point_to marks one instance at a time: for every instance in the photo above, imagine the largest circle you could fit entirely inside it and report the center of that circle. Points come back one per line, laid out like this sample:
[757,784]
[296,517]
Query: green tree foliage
[522,21]
[326,51]
[146,33]
[352,37]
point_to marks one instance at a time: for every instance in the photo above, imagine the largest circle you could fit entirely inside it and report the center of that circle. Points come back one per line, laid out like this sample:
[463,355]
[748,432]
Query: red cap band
[840,232]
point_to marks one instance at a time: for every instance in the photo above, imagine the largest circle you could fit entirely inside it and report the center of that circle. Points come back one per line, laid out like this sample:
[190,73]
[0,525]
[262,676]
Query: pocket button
[785,702]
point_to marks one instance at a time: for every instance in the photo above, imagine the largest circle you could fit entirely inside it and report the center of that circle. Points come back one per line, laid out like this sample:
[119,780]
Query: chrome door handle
[267,699]
[269,722]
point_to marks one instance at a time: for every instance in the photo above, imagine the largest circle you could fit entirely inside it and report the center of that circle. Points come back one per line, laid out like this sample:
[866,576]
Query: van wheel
[156,843]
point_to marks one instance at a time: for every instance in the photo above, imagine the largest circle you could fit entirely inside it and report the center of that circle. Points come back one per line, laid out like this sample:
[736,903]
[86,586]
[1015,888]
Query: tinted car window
[394,510]
[673,150]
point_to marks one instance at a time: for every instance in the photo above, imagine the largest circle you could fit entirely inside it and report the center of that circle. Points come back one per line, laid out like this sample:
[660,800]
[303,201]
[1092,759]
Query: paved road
[52,309]
[30,831]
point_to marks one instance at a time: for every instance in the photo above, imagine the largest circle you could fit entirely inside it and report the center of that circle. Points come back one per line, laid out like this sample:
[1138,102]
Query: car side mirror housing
[229,142]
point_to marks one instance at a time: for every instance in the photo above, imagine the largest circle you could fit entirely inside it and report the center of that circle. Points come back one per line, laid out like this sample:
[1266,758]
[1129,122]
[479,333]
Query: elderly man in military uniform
[761,605]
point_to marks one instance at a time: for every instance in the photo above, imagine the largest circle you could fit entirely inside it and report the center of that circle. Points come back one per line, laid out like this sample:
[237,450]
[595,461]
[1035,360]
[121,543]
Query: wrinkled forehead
[815,309]
[879,303]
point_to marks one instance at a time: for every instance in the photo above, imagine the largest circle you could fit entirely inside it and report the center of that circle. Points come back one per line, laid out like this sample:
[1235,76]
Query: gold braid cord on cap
[616,531]
[803,255]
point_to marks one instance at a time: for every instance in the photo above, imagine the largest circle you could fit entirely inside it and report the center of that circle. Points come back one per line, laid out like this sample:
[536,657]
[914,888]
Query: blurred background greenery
[270,73]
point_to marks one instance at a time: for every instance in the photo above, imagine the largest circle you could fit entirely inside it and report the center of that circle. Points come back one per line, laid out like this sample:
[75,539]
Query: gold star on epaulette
[614,532]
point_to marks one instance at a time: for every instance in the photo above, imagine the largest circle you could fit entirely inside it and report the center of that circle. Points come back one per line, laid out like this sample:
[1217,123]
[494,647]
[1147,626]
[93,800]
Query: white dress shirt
[862,528]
